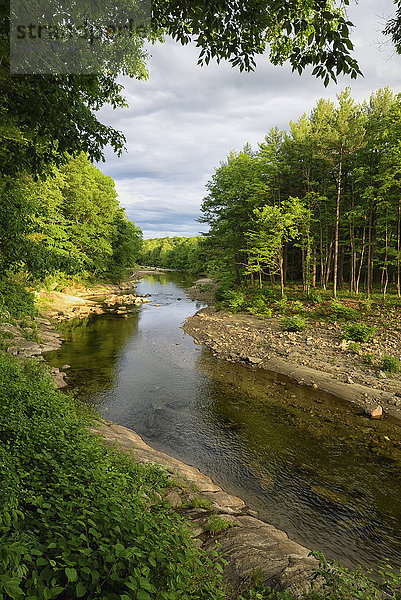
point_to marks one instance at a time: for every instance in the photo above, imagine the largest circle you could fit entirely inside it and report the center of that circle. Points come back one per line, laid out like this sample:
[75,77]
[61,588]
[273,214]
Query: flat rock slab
[249,545]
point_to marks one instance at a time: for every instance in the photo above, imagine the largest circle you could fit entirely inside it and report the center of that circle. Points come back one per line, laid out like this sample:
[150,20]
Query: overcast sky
[185,119]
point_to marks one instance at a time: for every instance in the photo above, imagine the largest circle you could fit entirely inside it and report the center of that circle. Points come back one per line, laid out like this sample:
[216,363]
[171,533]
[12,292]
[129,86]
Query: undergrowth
[76,521]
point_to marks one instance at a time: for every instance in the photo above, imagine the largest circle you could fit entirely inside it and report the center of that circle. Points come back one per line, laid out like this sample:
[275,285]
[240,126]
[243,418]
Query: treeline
[69,223]
[183,253]
[319,204]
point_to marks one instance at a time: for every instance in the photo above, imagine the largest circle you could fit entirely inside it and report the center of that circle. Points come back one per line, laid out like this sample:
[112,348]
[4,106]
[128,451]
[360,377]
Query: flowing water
[310,464]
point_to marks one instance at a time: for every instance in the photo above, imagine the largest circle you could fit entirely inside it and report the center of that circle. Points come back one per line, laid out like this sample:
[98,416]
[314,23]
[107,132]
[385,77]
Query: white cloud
[185,119]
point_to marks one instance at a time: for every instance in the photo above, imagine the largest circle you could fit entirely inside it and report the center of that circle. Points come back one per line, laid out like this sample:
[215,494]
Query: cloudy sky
[185,119]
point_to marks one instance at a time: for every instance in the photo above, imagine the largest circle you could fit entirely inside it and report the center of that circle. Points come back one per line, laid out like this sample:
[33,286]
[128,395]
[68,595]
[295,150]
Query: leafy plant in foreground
[80,521]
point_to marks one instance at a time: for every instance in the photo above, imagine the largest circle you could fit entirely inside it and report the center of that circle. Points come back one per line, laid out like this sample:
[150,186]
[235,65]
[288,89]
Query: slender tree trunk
[314,268]
[399,249]
[335,266]
[341,267]
[285,260]
[360,262]
[281,273]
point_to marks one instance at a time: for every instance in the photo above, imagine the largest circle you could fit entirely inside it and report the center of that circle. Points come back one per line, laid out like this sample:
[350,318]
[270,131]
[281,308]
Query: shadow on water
[309,463]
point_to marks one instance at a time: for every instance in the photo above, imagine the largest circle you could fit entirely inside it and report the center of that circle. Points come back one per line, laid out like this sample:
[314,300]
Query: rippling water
[310,464]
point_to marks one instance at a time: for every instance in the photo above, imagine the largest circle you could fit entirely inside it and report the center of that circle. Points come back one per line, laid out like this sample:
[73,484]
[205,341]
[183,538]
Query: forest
[182,253]
[69,224]
[318,204]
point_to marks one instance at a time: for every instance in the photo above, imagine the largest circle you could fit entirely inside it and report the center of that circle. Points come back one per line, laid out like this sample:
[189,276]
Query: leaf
[80,589]
[71,574]
[142,595]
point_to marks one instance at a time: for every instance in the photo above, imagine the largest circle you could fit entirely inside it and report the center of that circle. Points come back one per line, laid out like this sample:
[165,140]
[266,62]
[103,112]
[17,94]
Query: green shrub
[339,583]
[215,524]
[295,323]
[258,306]
[354,347]
[77,520]
[281,304]
[368,359]
[236,300]
[296,306]
[15,300]
[390,364]
[315,296]
[339,311]
[358,332]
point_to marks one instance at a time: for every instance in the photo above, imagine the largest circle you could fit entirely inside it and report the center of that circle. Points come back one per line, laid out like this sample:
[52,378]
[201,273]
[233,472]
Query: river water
[309,463]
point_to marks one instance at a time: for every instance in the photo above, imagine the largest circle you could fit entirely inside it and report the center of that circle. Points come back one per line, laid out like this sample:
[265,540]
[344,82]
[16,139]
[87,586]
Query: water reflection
[309,463]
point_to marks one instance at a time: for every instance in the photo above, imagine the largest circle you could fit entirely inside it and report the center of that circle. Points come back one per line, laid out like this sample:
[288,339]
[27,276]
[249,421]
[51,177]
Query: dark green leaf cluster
[76,520]
[16,300]
[294,323]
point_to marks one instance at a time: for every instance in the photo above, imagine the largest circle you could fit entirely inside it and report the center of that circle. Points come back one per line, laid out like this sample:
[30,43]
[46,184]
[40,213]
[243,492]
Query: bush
[391,364]
[296,306]
[77,520]
[215,524]
[295,323]
[339,311]
[236,300]
[15,300]
[340,583]
[358,332]
[355,347]
[258,306]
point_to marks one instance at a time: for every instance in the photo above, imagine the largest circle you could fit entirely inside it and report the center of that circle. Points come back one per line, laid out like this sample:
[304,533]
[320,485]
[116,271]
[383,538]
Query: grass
[215,524]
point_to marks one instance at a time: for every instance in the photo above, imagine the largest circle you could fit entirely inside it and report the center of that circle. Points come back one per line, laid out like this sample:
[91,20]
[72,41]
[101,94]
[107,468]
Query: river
[309,463]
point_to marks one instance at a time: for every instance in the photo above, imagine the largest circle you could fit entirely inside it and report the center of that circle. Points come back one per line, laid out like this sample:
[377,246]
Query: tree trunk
[335,266]
[399,250]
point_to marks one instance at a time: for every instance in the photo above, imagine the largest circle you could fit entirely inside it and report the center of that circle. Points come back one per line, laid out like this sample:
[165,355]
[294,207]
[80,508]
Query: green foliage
[235,300]
[76,520]
[355,347]
[199,502]
[391,364]
[296,307]
[358,332]
[215,524]
[258,306]
[295,323]
[182,253]
[15,300]
[340,583]
[369,358]
[70,224]
[341,312]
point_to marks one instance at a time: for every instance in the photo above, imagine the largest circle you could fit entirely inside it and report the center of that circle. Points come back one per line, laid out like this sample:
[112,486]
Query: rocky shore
[317,357]
[26,338]
[249,545]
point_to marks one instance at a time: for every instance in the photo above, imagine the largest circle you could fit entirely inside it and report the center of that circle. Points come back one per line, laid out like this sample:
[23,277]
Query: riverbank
[249,545]
[317,357]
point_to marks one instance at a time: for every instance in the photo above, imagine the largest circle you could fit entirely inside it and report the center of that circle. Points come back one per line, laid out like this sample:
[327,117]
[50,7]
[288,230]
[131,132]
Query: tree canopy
[319,203]
[45,116]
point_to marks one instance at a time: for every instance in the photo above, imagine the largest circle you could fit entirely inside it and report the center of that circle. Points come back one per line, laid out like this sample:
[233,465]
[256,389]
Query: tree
[235,190]
[343,136]
[274,226]
[45,116]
